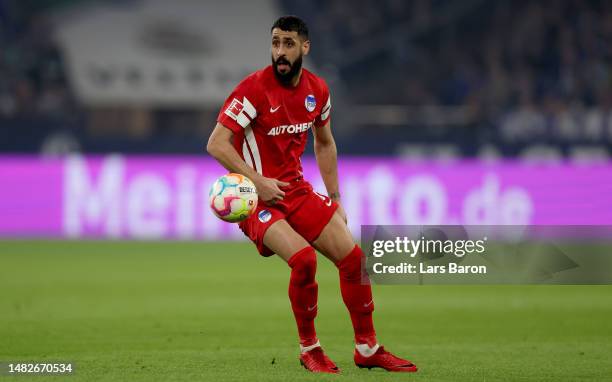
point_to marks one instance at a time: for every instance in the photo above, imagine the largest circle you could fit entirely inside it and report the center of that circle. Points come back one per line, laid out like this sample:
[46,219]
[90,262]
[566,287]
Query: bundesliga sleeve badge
[310,102]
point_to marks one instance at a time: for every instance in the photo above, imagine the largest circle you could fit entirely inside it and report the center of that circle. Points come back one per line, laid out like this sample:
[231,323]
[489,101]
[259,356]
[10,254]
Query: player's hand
[269,190]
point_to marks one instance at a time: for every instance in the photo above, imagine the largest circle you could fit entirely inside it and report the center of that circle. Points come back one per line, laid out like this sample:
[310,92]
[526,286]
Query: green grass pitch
[170,311]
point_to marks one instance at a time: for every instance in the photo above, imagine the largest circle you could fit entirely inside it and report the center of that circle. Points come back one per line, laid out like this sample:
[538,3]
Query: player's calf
[303,290]
[357,296]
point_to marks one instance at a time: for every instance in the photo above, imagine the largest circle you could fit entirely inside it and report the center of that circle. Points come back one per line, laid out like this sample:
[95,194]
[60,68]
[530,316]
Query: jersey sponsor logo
[290,129]
[310,102]
[274,109]
[264,216]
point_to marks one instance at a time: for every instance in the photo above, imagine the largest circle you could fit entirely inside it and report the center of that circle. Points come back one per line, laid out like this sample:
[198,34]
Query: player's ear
[305,47]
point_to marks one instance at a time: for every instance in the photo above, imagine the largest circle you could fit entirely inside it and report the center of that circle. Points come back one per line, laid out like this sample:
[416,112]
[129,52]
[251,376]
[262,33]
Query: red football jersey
[271,121]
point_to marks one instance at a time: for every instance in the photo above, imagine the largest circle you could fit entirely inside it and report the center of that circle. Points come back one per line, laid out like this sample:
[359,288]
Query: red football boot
[316,361]
[384,360]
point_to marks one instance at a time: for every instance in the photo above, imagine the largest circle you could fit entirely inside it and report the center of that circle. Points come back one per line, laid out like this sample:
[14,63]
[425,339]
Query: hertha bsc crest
[310,102]
[264,216]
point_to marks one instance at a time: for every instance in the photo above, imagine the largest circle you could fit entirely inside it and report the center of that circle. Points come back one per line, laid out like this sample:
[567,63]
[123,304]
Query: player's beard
[294,69]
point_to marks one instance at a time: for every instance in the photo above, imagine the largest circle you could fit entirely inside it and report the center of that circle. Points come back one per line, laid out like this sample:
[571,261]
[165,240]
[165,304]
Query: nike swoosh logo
[311,308]
[368,304]
[274,109]
[325,200]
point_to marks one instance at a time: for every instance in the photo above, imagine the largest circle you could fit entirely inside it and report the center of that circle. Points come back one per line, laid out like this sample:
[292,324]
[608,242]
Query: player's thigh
[335,241]
[281,238]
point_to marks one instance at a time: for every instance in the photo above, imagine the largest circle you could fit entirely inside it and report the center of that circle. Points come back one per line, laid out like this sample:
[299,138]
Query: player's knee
[303,266]
[351,266]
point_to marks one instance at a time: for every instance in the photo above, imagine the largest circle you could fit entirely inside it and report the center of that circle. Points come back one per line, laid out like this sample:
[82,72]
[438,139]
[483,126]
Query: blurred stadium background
[423,78]
[445,112]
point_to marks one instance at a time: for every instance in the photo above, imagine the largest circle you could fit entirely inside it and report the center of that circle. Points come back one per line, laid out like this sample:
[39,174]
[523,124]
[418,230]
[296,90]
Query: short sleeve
[239,109]
[323,117]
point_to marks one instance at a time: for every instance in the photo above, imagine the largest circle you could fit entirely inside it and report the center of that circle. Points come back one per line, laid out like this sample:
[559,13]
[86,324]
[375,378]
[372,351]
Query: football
[233,197]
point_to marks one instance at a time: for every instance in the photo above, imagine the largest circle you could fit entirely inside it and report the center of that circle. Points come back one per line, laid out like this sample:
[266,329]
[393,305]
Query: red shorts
[306,211]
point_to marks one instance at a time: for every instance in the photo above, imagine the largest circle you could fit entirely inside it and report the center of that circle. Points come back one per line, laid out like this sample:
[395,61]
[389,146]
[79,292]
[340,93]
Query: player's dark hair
[292,24]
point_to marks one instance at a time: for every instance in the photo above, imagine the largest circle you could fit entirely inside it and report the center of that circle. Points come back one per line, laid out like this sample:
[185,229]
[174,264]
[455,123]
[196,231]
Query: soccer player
[261,132]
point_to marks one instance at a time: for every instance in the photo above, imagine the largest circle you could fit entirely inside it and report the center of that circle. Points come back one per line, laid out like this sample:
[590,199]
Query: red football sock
[357,295]
[303,290]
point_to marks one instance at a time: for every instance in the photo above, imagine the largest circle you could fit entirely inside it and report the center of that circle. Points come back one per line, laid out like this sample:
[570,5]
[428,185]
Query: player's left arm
[327,160]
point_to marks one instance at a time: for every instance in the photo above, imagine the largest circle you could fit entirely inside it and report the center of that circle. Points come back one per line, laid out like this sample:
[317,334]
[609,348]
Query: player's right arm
[221,148]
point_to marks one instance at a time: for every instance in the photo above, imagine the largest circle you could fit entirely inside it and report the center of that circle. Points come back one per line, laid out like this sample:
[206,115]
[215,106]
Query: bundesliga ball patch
[310,102]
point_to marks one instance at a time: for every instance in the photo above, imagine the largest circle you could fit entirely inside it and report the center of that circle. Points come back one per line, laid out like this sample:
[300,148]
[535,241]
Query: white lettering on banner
[141,206]
[148,200]
[107,200]
[516,207]
[489,205]
[422,193]
[381,186]
[186,202]
[90,203]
